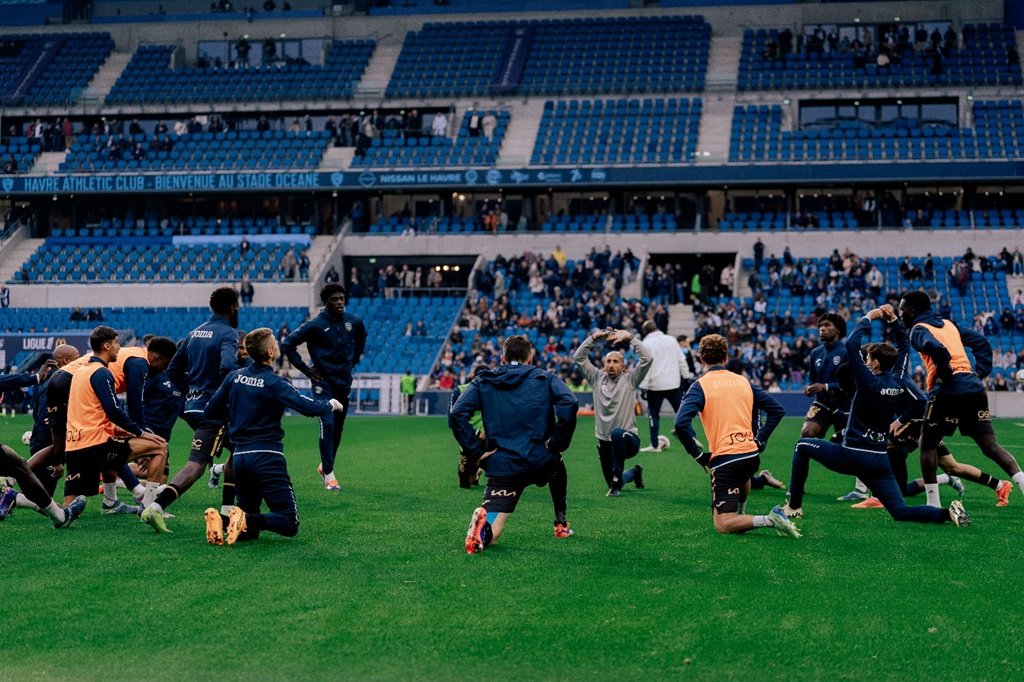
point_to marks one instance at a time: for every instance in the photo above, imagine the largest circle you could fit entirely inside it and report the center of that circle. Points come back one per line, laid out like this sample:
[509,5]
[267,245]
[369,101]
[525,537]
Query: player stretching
[956,396]
[881,393]
[96,425]
[252,400]
[729,408]
[614,406]
[335,340]
[529,417]
[831,405]
[204,358]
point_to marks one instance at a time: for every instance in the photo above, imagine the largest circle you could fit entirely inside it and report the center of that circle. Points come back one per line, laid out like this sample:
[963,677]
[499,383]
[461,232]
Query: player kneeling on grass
[729,407]
[529,418]
[614,399]
[34,494]
[101,438]
[881,394]
[252,400]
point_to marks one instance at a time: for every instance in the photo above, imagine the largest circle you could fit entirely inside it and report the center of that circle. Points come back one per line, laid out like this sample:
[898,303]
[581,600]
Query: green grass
[378,586]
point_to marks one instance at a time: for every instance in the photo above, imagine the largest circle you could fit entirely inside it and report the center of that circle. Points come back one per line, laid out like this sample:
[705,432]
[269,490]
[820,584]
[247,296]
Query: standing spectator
[289,265]
[489,123]
[439,126]
[304,265]
[246,291]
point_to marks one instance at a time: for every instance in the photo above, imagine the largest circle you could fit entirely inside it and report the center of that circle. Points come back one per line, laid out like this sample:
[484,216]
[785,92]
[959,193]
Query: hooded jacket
[950,382]
[529,418]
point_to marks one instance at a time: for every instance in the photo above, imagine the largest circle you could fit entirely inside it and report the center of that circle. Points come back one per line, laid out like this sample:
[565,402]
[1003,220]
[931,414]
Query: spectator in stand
[246,291]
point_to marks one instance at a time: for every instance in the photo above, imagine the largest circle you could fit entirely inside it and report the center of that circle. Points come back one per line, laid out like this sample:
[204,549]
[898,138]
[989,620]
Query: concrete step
[337,158]
[102,83]
[14,259]
[680,320]
[378,72]
[48,163]
[523,126]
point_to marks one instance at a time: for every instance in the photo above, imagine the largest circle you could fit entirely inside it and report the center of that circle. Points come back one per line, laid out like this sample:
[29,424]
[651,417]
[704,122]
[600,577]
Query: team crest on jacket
[835,360]
[348,326]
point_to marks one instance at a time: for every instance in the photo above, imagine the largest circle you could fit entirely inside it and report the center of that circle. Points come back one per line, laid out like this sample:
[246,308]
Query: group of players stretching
[864,392]
[221,382]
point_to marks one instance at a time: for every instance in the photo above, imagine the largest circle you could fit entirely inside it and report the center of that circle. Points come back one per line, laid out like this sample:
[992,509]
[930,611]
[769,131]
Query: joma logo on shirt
[202,334]
[249,381]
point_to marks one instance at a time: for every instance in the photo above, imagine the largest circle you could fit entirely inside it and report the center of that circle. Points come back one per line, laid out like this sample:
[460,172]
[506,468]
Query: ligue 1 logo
[8,184]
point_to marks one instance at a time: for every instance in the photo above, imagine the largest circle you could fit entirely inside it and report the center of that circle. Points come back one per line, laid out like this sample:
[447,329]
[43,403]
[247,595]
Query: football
[663,443]
[26,437]
[1020,376]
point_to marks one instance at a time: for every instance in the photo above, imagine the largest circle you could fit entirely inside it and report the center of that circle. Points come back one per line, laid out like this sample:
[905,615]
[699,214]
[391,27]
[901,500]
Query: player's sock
[128,477]
[149,493]
[763,522]
[931,492]
[491,517]
[24,502]
[227,494]
[53,511]
[988,481]
[139,491]
[1018,478]
[225,509]
[109,493]
[859,486]
[559,517]
[218,469]
[165,498]
[329,476]
[942,479]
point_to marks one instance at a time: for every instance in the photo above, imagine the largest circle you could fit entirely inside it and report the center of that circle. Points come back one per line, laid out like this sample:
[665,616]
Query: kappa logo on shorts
[734,491]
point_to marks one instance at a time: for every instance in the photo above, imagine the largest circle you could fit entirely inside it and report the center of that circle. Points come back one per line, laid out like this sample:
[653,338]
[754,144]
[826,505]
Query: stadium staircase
[681,320]
[101,84]
[523,126]
[16,255]
[723,65]
[378,72]
[337,158]
[48,163]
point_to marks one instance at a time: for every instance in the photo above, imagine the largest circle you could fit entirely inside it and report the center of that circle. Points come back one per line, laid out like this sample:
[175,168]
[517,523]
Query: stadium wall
[150,294]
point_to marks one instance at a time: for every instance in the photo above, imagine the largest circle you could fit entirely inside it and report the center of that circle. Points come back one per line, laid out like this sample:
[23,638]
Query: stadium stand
[408,345]
[174,322]
[981,59]
[18,156]
[605,132]
[153,259]
[169,226]
[553,57]
[758,136]
[394,149]
[49,68]
[150,78]
[242,150]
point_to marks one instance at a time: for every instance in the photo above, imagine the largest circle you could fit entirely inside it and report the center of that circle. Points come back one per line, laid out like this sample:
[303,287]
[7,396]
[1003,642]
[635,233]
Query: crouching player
[252,400]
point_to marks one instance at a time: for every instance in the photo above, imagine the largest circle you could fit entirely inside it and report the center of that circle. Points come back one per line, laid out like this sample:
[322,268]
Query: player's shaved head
[63,354]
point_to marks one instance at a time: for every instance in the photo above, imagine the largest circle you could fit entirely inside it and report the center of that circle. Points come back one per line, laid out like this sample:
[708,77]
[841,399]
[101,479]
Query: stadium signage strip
[737,174]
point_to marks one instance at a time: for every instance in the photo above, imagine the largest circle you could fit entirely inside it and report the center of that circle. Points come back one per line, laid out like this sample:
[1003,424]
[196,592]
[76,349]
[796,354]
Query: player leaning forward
[252,401]
[614,405]
[529,418]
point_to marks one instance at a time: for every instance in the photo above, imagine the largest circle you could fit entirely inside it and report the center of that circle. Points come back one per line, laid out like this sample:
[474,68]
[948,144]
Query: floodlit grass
[378,586]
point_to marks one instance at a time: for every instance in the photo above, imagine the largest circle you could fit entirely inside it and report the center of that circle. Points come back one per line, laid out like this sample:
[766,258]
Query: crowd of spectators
[543,297]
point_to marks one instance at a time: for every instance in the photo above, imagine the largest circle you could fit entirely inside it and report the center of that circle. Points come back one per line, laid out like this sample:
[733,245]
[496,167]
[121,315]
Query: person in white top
[663,381]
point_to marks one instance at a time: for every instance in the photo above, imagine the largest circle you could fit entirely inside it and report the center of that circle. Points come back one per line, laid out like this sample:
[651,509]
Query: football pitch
[377,585]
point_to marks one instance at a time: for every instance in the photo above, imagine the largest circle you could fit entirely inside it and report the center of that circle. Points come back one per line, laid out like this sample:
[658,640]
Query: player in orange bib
[956,396]
[100,436]
[729,407]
